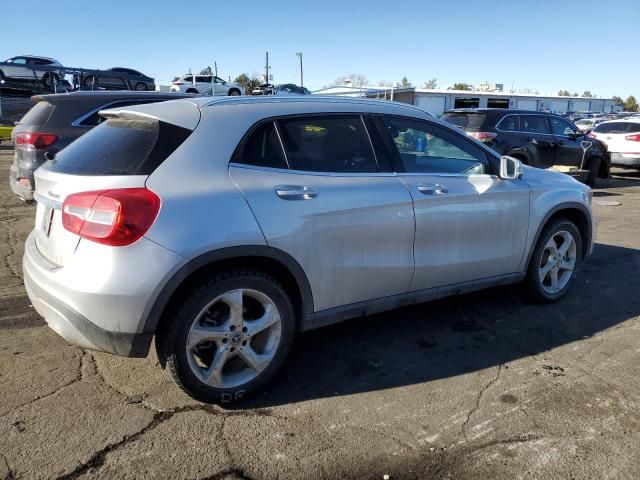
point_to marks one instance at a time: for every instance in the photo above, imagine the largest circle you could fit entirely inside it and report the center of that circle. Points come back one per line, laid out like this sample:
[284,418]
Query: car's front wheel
[229,336]
[234,92]
[555,261]
[141,87]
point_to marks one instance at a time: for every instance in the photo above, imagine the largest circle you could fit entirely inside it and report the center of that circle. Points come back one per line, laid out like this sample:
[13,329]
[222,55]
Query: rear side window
[534,124]
[262,148]
[510,123]
[337,143]
[120,147]
[618,127]
[38,115]
[469,122]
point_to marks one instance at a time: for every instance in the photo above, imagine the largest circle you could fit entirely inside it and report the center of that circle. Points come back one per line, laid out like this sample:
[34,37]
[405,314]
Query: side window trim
[520,123]
[517,115]
[571,125]
[284,150]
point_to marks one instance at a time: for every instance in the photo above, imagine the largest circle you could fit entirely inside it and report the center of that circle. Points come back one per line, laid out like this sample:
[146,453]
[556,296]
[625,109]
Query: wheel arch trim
[558,208]
[152,319]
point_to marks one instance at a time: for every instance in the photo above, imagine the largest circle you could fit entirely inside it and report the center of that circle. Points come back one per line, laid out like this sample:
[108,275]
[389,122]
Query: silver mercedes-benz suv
[224,226]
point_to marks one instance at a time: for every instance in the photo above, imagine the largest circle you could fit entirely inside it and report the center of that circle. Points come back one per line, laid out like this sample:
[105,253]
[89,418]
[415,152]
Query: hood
[549,178]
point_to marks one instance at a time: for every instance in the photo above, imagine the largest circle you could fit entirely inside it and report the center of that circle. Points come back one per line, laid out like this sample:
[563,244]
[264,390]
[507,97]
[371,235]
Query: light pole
[299,54]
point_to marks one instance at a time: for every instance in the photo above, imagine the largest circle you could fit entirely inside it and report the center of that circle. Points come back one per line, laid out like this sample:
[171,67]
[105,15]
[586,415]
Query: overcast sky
[544,45]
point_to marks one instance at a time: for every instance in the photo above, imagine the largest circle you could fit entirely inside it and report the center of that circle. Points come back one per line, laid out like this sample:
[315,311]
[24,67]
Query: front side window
[425,148]
[534,124]
[328,144]
[262,148]
[559,126]
[218,80]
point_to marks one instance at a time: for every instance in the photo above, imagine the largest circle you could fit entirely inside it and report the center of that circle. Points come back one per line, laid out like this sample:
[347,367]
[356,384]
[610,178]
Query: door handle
[560,142]
[295,192]
[432,189]
[532,141]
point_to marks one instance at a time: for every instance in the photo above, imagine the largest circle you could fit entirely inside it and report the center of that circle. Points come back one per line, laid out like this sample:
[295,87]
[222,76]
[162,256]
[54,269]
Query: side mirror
[510,168]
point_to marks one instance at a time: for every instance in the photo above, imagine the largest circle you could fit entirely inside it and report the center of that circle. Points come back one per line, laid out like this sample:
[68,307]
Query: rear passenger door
[323,200]
[470,224]
[540,144]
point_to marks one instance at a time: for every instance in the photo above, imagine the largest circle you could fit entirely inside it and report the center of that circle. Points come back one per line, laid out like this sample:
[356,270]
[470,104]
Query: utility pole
[215,68]
[299,54]
[266,68]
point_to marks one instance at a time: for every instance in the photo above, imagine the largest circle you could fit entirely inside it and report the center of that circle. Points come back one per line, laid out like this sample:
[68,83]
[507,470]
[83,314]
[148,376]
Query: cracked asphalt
[485,385]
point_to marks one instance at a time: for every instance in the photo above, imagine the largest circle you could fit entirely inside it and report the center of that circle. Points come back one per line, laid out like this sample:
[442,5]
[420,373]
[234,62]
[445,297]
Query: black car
[116,78]
[57,120]
[538,139]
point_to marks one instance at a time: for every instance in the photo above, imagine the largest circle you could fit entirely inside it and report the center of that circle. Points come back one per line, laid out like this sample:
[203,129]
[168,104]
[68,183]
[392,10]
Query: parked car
[116,78]
[57,120]
[587,124]
[223,231]
[202,84]
[541,140]
[282,89]
[622,138]
[26,68]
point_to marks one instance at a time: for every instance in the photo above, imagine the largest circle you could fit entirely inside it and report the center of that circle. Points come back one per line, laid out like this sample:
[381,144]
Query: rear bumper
[624,160]
[75,328]
[94,303]
[25,193]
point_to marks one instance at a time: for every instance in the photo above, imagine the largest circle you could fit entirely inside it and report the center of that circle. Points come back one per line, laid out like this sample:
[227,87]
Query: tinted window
[510,123]
[188,79]
[120,147]
[559,126]
[426,148]
[262,148]
[19,61]
[618,127]
[534,124]
[38,115]
[469,122]
[203,79]
[327,144]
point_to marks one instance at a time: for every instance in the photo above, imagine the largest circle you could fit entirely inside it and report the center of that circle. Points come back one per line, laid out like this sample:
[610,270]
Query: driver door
[569,150]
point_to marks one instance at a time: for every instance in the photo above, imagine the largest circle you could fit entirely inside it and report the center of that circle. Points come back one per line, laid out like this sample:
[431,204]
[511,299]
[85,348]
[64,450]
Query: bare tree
[431,83]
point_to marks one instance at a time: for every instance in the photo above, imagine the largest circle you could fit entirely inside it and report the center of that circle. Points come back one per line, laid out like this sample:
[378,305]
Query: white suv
[202,84]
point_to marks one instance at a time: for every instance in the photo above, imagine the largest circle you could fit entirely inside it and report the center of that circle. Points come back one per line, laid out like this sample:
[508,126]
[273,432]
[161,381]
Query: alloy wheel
[557,262]
[234,338]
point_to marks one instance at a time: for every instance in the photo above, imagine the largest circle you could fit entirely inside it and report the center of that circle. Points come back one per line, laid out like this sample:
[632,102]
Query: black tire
[234,92]
[89,81]
[594,168]
[174,339]
[191,90]
[532,281]
[141,87]
[50,80]
[2,77]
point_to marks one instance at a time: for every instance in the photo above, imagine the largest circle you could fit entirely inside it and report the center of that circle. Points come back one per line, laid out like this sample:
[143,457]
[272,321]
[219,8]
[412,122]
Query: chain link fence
[13,108]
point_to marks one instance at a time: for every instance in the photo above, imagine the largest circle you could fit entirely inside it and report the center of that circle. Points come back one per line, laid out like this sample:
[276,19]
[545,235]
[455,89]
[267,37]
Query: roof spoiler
[182,113]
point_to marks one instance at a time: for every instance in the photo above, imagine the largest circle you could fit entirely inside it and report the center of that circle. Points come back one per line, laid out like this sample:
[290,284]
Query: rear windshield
[618,127]
[38,115]
[469,122]
[120,147]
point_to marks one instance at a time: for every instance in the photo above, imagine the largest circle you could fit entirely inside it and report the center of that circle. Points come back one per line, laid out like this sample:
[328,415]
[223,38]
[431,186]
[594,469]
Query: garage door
[433,105]
[581,105]
[560,106]
[525,104]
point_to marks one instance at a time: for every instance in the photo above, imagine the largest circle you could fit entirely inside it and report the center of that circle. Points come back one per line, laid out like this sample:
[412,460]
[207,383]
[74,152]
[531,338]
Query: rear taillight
[35,140]
[112,217]
[592,135]
[484,137]
[633,138]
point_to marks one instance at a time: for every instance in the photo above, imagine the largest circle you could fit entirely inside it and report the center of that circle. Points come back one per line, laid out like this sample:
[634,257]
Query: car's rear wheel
[555,261]
[234,92]
[191,90]
[141,87]
[229,336]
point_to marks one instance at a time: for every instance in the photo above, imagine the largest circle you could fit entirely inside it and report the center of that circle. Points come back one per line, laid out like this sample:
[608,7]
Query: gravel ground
[484,385]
